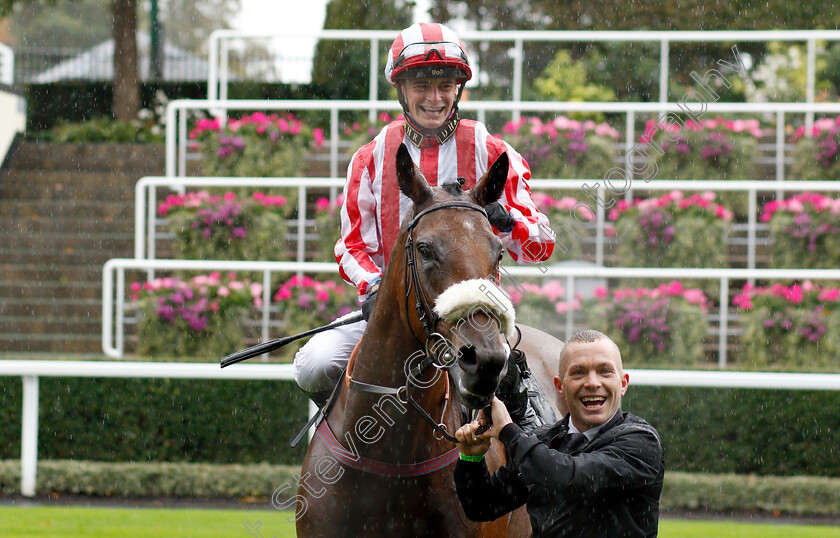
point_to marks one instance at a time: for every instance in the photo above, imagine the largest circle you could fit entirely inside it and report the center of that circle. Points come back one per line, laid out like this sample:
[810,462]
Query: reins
[429,319]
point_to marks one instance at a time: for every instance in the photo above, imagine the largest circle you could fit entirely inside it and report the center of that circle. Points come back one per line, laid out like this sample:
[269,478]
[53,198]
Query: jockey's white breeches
[320,362]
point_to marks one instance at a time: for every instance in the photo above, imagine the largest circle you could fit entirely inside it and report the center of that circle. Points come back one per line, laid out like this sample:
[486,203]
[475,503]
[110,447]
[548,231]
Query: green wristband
[466,457]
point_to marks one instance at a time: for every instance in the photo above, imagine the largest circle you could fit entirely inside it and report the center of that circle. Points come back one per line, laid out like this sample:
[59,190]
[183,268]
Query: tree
[124,14]
[343,66]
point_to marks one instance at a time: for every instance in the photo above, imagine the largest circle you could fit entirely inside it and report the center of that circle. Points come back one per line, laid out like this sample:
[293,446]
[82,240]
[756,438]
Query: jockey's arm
[531,241]
[359,234]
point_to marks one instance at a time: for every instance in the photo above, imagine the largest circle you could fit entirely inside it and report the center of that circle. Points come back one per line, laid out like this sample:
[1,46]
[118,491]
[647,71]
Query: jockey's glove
[370,299]
[499,217]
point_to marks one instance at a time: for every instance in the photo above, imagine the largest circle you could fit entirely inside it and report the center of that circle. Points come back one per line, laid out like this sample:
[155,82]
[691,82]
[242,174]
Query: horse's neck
[385,348]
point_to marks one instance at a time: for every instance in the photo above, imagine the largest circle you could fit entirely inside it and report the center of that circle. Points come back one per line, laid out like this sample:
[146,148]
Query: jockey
[429,68]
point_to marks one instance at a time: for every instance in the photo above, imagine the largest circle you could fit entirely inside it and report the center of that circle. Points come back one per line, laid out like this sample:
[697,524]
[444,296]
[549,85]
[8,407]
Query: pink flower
[318,135]
[600,292]
[223,291]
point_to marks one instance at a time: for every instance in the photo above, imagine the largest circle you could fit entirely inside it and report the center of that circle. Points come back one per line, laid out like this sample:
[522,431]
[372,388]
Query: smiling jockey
[429,68]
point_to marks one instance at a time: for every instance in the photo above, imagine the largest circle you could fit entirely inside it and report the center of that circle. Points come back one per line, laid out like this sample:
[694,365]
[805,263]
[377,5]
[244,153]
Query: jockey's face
[430,100]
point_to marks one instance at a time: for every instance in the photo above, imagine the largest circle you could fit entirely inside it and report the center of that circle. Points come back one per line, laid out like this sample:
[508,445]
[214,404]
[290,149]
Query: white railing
[32,370]
[7,65]
[114,291]
[114,296]
[177,112]
[145,200]
[217,82]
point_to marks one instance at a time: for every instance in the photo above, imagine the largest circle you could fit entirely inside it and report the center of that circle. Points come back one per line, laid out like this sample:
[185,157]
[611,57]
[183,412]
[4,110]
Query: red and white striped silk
[374,206]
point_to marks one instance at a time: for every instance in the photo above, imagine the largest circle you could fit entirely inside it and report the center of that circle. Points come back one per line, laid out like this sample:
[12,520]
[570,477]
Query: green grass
[67,522]
[76,522]
[677,528]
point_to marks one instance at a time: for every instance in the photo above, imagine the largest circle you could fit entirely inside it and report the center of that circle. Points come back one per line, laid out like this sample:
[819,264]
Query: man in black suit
[597,472]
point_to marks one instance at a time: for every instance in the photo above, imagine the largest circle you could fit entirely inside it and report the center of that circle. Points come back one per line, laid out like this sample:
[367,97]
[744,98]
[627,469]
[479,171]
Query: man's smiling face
[430,100]
[592,382]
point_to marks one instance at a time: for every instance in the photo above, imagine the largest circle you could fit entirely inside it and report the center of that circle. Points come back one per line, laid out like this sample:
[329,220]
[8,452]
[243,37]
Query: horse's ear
[490,187]
[410,178]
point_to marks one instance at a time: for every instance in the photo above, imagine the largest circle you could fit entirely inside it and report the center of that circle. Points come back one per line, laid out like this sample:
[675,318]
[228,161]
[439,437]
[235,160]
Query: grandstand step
[11,289]
[42,325]
[29,271]
[65,209]
[68,255]
[135,159]
[67,225]
[50,343]
[100,243]
[74,308]
[61,185]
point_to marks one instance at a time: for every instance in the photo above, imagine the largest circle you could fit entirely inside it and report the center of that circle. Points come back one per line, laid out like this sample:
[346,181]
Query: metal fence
[39,65]
[7,65]
[178,116]
[31,371]
[146,200]
[220,49]
[114,288]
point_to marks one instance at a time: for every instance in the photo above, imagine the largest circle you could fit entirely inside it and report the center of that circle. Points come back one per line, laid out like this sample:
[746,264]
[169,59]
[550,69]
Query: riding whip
[271,345]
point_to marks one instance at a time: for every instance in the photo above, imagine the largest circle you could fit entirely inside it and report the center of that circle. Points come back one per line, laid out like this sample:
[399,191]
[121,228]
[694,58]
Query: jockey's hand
[370,299]
[500,217]
[469,443]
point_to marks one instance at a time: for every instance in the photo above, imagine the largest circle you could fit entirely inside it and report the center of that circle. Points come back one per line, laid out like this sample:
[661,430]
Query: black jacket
[610,488]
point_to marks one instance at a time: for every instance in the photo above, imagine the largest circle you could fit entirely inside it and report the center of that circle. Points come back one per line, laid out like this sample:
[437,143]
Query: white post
[809,88]
[724,321]
[29,437]
[374,78]
[664,51]
[517,78]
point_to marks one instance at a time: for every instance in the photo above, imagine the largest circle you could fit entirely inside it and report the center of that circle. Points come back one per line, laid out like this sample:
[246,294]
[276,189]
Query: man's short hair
[586,336]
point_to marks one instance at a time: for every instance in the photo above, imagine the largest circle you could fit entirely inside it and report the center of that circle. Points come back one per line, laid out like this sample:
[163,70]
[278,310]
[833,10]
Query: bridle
[428,319]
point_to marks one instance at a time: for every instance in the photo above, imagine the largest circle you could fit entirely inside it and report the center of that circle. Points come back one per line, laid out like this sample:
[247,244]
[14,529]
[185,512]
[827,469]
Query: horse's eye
[501,254]
[425,252]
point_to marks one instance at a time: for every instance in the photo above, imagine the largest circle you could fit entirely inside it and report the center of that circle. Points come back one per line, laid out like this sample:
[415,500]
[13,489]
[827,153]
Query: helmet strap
[417,134]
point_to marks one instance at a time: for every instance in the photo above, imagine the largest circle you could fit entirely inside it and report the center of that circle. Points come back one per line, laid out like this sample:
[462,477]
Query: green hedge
[801,495]
[150,479]
[744,431]
[797,495]
[158,420]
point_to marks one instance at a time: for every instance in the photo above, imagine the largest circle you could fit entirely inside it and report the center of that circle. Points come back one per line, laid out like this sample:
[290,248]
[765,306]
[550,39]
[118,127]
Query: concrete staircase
[65,209]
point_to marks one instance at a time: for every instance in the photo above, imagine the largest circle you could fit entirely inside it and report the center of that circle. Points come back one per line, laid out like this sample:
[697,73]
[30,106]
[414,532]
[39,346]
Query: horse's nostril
[467,359]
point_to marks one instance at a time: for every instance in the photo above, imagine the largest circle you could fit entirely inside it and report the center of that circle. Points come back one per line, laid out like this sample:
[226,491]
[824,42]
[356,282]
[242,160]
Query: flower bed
[567,228]
[256,145]
[711,149]
[816,158]
[359,133]
[328,227]
[666,324]
[804,231]
[563,148]
[672,231]
[786,326]
[305,303]
[199,317]
[542,305]
[226,227]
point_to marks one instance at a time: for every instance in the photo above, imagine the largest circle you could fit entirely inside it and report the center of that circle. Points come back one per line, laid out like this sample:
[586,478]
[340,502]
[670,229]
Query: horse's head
[452,259]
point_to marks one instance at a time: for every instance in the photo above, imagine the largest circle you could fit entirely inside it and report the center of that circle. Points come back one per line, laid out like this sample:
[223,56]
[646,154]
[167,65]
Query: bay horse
[381,463]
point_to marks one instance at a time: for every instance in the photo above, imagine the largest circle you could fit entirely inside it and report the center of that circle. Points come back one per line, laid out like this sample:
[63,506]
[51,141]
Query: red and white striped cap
[427,50]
